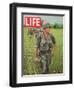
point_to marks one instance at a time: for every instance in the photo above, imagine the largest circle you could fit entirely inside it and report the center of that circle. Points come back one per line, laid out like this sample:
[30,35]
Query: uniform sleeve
[53,39]
[38,42]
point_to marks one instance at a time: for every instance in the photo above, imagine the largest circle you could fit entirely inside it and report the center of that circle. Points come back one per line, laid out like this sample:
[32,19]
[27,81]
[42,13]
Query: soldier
[30,32]
[45,43]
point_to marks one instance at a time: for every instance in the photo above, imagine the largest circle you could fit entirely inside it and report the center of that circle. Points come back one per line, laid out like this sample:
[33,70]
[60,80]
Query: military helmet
[45,24]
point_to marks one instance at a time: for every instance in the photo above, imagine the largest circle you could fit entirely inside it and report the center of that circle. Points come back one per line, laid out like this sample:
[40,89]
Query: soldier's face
[46,30]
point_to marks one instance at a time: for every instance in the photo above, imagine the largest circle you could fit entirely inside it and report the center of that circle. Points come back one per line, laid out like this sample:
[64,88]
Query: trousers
[45,59]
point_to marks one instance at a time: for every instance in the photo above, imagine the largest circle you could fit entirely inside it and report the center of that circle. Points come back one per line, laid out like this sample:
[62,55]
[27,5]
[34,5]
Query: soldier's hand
[37,53]
[37,60]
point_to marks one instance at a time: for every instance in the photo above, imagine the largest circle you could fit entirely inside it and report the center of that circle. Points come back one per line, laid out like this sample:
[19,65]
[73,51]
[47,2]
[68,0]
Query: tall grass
[29,42]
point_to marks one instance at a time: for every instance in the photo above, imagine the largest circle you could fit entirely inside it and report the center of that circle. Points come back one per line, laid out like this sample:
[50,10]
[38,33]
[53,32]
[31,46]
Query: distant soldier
[30,32]
[45,43]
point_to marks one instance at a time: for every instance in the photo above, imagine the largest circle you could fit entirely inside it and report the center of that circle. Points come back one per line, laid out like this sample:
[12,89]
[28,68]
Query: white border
[48,77]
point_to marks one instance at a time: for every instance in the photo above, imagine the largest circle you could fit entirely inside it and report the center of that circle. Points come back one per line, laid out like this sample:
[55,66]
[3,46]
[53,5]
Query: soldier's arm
[53,39]
[37,52]
[37,46]
[53,44]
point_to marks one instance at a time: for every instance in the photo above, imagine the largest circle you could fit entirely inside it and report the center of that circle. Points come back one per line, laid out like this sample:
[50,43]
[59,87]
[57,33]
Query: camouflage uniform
[45,46]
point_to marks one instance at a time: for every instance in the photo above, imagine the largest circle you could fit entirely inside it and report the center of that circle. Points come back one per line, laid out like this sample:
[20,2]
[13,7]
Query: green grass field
[29,65]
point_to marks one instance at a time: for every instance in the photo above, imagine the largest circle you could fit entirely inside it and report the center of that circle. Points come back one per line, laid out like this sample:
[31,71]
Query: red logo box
[34,22]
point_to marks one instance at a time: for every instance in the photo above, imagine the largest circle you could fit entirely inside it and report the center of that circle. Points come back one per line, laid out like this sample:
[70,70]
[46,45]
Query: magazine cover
[42,41]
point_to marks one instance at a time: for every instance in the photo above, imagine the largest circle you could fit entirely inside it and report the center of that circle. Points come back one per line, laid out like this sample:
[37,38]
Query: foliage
[29,65]
[57,26]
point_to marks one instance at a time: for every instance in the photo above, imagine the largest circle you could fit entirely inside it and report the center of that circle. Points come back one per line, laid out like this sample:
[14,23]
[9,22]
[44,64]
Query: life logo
[34,22]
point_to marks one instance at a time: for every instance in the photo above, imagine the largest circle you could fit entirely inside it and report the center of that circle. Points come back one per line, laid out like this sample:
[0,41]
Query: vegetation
[30,67]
